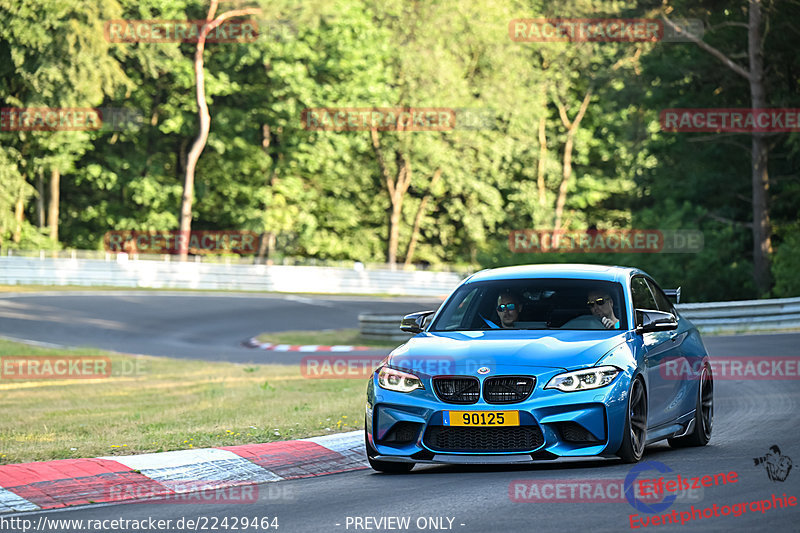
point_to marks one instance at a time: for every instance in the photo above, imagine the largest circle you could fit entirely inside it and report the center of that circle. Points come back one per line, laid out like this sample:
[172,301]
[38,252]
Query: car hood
[468,350]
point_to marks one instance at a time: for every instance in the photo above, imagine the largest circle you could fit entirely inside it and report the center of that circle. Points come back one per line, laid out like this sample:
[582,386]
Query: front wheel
[703,414]
[388,467]
[635,435]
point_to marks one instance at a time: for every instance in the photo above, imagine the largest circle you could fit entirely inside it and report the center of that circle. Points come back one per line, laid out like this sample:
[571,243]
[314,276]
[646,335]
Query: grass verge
[107,288]
[326,337]
[155,404]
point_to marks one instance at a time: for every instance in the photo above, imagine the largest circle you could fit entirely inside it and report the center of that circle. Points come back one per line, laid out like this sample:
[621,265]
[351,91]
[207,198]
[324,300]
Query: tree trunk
[197,147]
[265,247]
[19,214]
[397,188]
[566,172]
[762,243]
[205,121]
[759,156]
[394,232]
[40,198]
[412,244]
[52,210]
[542,156]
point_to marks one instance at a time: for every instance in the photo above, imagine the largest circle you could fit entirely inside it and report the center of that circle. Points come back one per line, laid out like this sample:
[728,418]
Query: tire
[387,467]
[635,435]
[703,414]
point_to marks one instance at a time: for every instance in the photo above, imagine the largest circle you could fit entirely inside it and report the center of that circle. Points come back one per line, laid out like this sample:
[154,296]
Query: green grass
[326,337]
[154,404]
[101,288]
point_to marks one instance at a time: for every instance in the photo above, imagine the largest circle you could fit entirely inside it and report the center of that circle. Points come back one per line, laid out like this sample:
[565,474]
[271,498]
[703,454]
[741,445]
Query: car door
[658,350]
[681,389]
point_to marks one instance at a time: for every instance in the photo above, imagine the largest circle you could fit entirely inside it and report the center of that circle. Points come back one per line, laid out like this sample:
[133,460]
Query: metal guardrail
[191,275]
[713,317]
[382,327]
[744,315]
[231,259]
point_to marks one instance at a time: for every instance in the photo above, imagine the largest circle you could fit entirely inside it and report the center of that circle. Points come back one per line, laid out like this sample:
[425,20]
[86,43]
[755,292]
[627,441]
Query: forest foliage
[562,134]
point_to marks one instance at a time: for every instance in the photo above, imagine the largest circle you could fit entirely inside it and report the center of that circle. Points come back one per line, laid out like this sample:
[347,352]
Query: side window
[661,299]
[642,297]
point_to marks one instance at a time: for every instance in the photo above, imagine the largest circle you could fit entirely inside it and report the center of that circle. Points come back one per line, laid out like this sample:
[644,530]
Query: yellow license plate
[481,418]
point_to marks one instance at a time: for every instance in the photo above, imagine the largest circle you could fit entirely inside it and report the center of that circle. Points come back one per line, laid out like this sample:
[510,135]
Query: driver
[602,307]
[508,309]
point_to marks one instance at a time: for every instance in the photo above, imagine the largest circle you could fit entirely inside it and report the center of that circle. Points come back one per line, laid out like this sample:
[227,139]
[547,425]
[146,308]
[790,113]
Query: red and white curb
[255,343]
[68,482]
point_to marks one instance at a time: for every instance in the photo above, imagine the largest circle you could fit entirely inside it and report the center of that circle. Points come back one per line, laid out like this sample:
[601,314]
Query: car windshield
[534,304]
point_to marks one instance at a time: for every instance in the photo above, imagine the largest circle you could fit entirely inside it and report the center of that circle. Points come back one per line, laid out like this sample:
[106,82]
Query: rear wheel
[388,467]
[703,414]
[635,435]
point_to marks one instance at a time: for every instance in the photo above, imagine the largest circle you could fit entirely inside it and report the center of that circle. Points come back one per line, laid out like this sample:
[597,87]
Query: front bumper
[408,427]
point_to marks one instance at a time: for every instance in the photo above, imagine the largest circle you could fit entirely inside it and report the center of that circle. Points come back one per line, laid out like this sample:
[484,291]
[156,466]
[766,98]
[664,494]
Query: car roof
[568,271]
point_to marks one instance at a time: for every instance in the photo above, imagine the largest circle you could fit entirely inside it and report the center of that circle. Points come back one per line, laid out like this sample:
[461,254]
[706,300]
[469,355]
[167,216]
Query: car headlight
[396,380]
[590,378]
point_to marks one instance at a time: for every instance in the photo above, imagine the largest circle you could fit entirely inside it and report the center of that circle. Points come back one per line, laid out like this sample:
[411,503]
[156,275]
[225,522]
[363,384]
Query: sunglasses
[598,301]
[506,307]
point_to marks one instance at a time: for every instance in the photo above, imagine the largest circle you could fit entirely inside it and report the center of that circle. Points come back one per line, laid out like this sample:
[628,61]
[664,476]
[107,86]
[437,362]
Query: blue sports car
[536,362]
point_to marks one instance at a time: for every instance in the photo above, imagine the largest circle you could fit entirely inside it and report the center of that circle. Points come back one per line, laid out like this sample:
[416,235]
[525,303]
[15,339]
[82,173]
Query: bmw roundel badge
[483,370]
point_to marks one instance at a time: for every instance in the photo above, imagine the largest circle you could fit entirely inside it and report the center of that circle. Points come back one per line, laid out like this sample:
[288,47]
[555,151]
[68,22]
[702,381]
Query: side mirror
[415,322]
[674,295]
[648,320]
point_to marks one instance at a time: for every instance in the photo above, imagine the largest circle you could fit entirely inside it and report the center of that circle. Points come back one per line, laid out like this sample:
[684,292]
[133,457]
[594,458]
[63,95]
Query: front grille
[502,439]
[461,390]
[508,389]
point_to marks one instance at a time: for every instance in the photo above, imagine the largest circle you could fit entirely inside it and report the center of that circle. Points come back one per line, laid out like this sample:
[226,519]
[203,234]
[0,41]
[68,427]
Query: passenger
[508,309]
[602,307]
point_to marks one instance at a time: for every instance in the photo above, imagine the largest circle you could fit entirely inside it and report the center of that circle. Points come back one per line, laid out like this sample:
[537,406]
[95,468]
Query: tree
[204,118]
[572,128]
[762,232]
[52,56]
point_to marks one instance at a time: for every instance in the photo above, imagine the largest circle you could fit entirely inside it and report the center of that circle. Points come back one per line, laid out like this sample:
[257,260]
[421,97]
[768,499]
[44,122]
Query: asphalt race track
[183,324]
[750,417]
[212,326]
